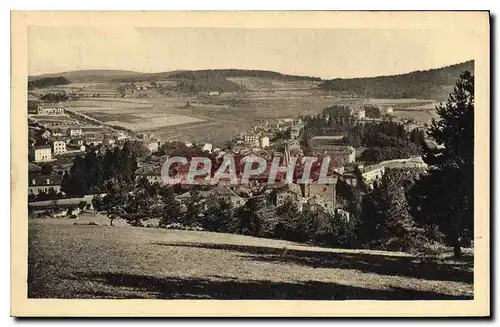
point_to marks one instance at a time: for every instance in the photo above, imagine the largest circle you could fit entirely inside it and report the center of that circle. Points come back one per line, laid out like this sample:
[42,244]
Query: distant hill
[431,84]
[217,79]
[92,75]
[241,73]
[80,76]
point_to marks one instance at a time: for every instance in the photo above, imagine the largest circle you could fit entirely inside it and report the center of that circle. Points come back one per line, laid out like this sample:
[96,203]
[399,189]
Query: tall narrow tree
[446,194]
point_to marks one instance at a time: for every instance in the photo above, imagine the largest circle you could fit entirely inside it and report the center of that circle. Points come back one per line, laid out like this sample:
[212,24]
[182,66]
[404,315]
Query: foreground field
[78,261]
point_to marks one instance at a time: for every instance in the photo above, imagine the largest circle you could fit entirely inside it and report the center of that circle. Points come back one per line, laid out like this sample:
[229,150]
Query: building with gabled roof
[41,153]
[43,183]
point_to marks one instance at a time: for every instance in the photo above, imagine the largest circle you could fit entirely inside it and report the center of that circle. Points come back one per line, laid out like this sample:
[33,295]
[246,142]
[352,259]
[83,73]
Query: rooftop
[328,137]
[42,146]
[41,180]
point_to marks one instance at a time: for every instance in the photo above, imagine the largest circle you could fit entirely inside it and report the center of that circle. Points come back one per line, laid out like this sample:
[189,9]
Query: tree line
[47,81]
[89,174]
[383,140]
[418,84]
[208,73]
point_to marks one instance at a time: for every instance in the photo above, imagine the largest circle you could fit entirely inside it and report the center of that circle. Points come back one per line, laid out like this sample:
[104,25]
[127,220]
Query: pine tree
[171,210]
[386,220]
[218,214]
[446,195]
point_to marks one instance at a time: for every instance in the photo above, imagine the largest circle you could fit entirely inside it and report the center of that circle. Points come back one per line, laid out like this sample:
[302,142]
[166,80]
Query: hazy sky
[326,53]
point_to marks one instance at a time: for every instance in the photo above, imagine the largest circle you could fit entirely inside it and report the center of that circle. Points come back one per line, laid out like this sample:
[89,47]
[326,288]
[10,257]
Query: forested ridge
[418,84]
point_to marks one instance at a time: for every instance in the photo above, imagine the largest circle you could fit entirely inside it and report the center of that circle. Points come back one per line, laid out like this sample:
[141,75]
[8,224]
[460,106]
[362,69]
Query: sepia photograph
[309,157]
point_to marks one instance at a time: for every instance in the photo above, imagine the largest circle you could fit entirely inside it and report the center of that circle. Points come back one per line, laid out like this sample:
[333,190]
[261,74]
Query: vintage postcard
[308,163]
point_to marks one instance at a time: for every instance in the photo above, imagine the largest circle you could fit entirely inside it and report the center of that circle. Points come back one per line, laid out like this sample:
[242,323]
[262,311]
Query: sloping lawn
[80,261]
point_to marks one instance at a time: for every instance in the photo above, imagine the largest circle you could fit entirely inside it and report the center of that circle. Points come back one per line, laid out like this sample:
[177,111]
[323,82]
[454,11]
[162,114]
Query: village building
[251,138]
[120,136]
[44,183]
[94,141]
[153,175]
[334,147]
[58,147]
[372,173]
[41,153]
[72,132]
[359,113]
[76,141]
[50,109]
[153,146]
[34,169]
[387,110]
[295,131]
[109,141]
[227,194]
[207,147]
[264,141]
[75,148]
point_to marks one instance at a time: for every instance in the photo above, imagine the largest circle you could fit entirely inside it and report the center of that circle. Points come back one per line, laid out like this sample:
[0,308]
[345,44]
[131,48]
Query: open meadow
[420,110]
[88,261]
[216,119]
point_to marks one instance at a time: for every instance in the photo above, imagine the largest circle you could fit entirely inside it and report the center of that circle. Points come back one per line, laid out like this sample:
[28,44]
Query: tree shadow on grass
[198,288]
[411,266]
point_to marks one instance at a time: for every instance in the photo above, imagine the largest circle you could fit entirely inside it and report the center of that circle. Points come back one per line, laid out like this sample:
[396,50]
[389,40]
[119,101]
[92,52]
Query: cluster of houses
[334,147]
[260,134]
[73,141]
[56,144]
[259,140]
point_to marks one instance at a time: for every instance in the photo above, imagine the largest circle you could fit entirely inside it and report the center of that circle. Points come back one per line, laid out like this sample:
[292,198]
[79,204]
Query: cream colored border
[475,22]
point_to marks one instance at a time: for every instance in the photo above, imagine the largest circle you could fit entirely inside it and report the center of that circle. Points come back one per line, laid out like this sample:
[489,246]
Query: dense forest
[194,83]
[217,79]
[418,84]
[240,73]
[47,81]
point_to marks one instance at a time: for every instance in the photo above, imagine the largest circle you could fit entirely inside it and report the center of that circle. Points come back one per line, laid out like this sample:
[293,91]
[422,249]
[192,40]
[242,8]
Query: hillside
[80,76]
[430,84]
[214,73]
[95,75]
[79,261]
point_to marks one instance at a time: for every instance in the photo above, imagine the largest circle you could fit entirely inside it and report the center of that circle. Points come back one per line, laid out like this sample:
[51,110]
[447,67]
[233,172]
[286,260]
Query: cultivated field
[256,84]
[207,119]
[422,111]
[217,119]
[80,261]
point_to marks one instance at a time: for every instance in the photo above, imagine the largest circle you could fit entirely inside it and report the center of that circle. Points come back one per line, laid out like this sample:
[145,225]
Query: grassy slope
[67,261]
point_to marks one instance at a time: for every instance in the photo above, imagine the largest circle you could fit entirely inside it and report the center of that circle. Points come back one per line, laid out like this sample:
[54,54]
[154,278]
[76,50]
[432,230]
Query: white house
[360,113]
[264,141]
[58,147]
[207,147]
[75,132]
[41,153]
[372,173]
[153,146]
